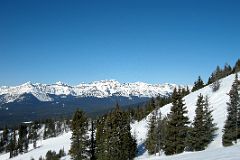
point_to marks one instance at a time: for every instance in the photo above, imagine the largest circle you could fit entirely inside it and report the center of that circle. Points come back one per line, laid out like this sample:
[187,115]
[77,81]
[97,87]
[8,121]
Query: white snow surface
[217,102]
[227,153]
[43,146]
[215,150]
[100,89]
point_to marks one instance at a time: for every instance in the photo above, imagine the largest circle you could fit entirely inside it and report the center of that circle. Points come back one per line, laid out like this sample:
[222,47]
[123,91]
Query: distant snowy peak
[100,89]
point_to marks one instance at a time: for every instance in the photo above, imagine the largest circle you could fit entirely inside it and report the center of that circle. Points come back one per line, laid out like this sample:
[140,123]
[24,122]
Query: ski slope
[217,102]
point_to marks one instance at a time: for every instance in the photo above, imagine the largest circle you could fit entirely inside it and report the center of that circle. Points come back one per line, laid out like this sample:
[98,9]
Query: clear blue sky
[152,41]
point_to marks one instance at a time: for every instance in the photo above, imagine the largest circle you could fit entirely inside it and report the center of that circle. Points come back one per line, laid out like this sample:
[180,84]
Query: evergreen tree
[102,137]
[202,131]
[139,113]
[151,141]
[120,136]
[236,68]
[78,150]
[150,106]
[113,137]
[190,139]
[231,126]
[128,142]
[92,142]
[210,79]
[198,125]
[5,137]
[33,134]
[52,155]
[22,140]
[50,129]
[5,134]
[187,91]
[161,133]
[209,125]
[216,75]
[12,146]
[58,127]
[176,126]
[227,70]
[61,153]
[198,84]
[1,145]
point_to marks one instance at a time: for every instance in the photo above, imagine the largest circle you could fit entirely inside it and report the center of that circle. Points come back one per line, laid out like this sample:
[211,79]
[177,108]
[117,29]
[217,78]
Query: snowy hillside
[98,89]
[218,104]
[214,151]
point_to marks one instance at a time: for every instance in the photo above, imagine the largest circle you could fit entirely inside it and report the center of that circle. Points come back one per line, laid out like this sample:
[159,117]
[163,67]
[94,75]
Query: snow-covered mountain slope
[217,101]
[139,129]
[98,89]
[227,153]
[54,144]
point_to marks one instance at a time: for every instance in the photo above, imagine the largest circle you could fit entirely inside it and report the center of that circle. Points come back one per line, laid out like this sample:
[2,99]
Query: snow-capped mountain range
[99,89]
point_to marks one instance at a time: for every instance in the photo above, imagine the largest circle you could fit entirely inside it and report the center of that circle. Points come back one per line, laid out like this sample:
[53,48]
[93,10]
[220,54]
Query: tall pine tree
[79,127]
[151,141]
[231,124]
[203,129]
[209,126]
[198,125]
[176,126]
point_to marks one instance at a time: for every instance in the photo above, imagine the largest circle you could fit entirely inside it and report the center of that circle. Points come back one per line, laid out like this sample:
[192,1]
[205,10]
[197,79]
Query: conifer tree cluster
[172,134]
[223,72]
[139,112]
[168,134]
[53,128]
[16,140]
[112,140]
[113,137]
[52,155]
[49,129]
[216,75]
[155,141]
[198,84]
[220,73]
[33,134]
[231,131]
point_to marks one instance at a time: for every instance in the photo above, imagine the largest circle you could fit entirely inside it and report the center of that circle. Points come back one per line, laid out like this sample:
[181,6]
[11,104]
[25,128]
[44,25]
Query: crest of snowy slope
[217,101]
[98,89]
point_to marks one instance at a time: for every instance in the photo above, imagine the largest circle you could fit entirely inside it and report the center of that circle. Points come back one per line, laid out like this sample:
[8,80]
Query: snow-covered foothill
[217,102]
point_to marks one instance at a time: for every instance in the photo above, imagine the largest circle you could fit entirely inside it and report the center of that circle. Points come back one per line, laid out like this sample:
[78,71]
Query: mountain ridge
[99,89]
